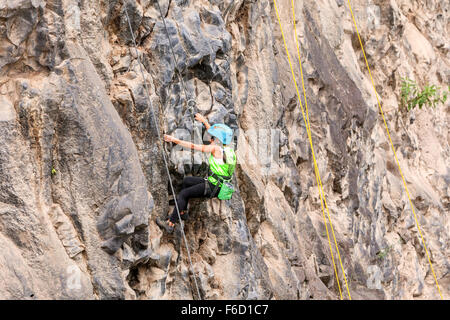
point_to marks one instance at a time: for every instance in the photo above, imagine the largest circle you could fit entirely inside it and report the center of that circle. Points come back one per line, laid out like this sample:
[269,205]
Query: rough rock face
[81,171]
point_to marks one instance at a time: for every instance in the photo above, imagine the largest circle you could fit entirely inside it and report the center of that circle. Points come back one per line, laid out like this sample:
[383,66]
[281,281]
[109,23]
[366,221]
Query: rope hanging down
[309,128]
[393,149]
[190,102]
[318,179]
[162,151]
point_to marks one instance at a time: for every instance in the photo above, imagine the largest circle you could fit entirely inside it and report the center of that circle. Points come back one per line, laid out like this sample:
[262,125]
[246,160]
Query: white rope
[189,102]
[164,155]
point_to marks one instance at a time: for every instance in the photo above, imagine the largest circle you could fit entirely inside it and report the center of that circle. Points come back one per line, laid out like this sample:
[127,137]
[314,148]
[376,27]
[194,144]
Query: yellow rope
[393,149]
[309,128]
[319,185]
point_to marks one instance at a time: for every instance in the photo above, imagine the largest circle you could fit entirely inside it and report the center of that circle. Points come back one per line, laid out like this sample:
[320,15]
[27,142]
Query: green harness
[222,172]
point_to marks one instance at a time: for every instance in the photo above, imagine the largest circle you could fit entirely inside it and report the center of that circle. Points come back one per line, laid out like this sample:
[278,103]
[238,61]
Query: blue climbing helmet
[221,132]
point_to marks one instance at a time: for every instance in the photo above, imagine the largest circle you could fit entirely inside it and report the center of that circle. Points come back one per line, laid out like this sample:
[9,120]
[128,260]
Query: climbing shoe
[184,216]
[164,225]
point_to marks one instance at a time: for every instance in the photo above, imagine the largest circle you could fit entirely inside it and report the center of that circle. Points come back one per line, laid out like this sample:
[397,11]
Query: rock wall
[83,179]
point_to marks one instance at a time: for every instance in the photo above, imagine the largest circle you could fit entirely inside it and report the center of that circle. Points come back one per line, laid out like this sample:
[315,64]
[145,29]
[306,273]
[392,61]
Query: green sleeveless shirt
[220,168]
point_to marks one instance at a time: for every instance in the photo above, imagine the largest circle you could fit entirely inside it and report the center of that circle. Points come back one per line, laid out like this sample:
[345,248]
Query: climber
[222,162]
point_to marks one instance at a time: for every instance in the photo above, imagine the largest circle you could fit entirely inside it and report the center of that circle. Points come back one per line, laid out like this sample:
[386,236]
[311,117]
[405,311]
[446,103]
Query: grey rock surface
[82,177]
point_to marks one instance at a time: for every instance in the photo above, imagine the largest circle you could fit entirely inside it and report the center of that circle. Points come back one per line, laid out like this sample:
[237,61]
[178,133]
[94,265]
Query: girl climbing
[222,162]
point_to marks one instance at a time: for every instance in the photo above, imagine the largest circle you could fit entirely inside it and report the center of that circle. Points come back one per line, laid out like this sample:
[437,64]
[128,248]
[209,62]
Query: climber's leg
[194,191]
[191,181]
[187,183]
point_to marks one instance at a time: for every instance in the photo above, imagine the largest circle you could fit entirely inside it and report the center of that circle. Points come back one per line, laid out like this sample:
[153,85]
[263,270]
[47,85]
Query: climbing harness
[224,183]
[222,173]
[393,149]
[318,179]
[163,153]
[226,187]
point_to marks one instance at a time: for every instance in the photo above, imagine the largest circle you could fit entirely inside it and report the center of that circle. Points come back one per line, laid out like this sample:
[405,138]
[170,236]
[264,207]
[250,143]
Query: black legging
[193,187]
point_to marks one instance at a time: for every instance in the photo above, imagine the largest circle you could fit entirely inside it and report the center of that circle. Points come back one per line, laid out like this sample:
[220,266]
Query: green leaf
[411,95]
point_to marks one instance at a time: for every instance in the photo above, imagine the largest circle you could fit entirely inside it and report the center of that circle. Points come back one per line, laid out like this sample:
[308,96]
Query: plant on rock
[412,95]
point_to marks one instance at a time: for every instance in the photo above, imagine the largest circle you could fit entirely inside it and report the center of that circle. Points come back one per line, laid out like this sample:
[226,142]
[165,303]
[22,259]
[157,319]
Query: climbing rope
[163,153]
[393,149]
[307,118]
[318,179]
[190,102]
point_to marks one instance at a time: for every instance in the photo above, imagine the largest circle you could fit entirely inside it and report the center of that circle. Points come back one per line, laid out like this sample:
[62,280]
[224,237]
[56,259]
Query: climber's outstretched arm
[203,120]
[189,145]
